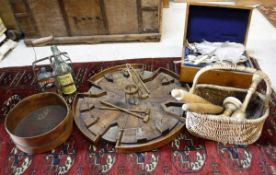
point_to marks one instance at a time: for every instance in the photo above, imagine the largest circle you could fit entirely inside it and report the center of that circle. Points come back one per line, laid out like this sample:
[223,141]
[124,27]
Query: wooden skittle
[187,97]
[204,108]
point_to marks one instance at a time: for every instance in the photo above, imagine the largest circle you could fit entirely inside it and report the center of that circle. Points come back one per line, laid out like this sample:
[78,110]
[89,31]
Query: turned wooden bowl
[39,123]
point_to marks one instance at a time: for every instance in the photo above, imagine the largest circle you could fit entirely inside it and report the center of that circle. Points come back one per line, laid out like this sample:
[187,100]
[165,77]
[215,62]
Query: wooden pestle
[204,108]
[187,97]
[241,112]
[231,104]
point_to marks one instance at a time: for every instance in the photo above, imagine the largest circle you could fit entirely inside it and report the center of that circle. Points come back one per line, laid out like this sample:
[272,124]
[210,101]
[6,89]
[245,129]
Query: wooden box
[216,23]
[89,21]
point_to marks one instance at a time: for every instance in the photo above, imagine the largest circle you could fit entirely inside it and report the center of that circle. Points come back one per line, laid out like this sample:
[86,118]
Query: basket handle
[261,74]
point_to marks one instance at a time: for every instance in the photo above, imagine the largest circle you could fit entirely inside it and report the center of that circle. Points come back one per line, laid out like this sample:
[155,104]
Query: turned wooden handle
[145,119]
[241,112]
[256,79]
[202,108]
[187,97]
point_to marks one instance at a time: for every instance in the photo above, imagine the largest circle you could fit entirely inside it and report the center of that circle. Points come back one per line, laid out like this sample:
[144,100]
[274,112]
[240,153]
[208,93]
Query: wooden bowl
[39,123]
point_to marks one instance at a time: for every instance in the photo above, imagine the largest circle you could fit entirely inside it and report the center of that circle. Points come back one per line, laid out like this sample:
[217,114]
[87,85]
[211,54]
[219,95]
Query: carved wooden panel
[150,3]
[150,14]
[150,24]
[47,17]
[84,17]
[121,16]
[88,21]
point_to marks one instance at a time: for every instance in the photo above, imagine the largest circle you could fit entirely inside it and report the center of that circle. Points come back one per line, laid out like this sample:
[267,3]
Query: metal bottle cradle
[48,62]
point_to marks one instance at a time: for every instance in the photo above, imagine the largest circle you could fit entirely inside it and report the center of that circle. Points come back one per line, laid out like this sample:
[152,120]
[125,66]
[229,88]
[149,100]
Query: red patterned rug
[185,155]
[270,13]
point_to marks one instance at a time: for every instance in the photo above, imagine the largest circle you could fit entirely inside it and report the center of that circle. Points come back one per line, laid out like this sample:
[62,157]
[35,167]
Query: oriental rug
[270,13]
[184,155]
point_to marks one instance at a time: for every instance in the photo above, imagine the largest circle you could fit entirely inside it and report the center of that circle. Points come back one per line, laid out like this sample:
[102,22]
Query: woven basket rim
[227,88]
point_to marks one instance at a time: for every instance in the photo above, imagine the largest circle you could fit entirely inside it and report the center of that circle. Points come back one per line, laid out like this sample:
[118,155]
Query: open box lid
[217,23]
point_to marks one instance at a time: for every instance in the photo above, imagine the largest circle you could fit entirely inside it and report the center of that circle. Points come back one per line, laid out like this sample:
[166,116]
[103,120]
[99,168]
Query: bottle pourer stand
[46,61]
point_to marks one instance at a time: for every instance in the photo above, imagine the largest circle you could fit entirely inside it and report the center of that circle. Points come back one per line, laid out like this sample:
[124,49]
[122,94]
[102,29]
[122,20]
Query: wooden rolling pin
[203,108]
[187,97]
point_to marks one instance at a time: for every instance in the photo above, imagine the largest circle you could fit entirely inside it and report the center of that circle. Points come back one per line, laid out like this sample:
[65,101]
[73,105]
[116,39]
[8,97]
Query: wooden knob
[187,97]
[231,104]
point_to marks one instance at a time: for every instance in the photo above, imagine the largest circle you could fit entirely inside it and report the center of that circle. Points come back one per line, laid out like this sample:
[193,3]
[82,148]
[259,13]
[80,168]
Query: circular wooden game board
[135,120]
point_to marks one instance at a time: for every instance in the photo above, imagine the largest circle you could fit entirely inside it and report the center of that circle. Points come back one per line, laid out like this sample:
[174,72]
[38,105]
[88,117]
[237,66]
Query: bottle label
[67,83]
[46,83]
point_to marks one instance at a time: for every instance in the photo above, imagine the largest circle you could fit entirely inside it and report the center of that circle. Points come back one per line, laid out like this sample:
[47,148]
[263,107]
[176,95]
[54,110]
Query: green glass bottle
[63,73]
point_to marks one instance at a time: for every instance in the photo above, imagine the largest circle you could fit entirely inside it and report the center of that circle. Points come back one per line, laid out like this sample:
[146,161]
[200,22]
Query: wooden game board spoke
[89,108]
[92,95]
[116,109]
[144,118]
[166,108]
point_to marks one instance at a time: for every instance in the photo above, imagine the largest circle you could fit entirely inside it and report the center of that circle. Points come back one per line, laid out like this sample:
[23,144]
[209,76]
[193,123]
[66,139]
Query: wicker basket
[222,128]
